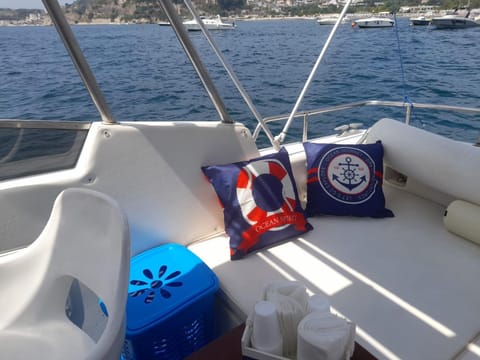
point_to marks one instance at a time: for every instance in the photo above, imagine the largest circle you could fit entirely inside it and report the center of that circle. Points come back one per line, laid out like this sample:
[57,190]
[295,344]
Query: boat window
[23,149]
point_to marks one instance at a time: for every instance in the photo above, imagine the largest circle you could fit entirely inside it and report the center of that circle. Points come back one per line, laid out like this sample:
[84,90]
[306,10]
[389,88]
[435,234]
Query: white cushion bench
[409,284]
[411,294]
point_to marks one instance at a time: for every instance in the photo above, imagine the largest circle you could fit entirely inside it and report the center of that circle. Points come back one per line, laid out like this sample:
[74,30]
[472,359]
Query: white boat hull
[454,22]
[210,24]
[374,23]
[328,21]
[420,21]
[407,282]
[364,264]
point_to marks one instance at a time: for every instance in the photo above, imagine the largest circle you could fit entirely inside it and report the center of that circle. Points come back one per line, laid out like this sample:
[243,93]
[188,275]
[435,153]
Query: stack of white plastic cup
[318,303]
[323,335]
[266,334]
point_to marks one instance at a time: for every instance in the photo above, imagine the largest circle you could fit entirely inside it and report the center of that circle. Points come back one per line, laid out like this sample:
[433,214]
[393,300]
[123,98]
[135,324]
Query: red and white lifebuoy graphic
[252,212]
[267,200]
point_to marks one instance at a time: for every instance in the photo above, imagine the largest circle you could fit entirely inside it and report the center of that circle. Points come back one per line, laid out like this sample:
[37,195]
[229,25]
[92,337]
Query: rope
[404,83]
[406,98]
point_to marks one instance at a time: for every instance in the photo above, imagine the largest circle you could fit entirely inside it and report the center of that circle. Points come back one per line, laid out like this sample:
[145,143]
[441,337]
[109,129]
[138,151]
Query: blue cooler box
[170,306]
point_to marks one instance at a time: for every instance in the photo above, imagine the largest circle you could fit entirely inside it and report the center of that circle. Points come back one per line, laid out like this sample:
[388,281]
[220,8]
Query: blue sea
[145,74]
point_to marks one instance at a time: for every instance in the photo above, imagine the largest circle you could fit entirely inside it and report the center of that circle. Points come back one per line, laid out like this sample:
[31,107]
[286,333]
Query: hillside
[146,11]
[149,11]
[18,14]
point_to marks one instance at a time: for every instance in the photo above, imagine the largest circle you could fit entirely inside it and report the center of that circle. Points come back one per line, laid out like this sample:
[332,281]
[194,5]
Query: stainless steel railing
[381,103]
[79,60]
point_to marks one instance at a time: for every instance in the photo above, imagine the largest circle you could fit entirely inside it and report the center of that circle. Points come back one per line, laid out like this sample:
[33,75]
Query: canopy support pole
[79,60]
[192,54]
[279,139]
[232,75]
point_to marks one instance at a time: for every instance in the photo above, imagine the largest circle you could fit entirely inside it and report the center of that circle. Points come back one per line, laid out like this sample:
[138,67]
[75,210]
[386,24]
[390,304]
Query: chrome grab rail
[194,57]
[306,114]
[280,137]
[79,60]
[231,73]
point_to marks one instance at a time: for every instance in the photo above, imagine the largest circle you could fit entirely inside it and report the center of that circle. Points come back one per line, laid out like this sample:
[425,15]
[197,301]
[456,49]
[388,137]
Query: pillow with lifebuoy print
[345,180]
[260,202]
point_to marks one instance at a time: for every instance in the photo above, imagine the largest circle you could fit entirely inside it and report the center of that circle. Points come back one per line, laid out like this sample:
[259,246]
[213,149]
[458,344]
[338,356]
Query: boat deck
[408,283]
[405,281]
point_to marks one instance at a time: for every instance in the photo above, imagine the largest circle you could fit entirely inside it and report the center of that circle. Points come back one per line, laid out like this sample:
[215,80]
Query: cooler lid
[163,281]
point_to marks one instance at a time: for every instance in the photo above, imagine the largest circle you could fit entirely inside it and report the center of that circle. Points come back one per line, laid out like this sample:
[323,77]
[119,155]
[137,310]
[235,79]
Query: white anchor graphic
[351,179]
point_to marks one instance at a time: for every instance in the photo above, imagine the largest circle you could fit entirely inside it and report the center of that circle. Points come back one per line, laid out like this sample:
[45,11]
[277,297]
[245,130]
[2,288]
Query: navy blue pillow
[260,202]
[345,180]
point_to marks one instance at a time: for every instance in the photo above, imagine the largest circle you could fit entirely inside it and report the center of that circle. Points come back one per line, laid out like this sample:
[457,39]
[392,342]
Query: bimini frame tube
[232,75]
[192,54]
[279,139]
[79,60]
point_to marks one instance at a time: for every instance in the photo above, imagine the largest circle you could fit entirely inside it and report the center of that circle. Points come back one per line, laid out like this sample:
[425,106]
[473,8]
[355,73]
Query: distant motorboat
[329,20]
[420,21]
[211,24]
[454,21]
[374,22]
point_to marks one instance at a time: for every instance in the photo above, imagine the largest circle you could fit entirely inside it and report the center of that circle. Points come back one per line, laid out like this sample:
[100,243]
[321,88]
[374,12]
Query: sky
[26,4]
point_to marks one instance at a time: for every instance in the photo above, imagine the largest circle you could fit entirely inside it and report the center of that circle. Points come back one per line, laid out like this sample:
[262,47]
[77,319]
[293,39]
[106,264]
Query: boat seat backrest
[169,199]
[151,168]
[428,160]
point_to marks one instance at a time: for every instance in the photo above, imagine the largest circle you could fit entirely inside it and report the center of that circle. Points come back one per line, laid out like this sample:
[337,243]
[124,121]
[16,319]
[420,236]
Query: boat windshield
[22,150]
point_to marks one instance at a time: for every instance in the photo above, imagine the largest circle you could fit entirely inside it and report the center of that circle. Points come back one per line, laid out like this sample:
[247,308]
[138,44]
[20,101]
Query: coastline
[105,21]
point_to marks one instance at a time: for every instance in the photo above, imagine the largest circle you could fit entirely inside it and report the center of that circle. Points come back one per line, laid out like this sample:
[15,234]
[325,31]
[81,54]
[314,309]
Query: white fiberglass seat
[86,238]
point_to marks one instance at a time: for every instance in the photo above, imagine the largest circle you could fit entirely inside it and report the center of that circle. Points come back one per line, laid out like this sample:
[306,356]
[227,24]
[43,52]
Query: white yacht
[215,23]
[374,22]
[329,20]
[384,221]
[454,21]
[420,21]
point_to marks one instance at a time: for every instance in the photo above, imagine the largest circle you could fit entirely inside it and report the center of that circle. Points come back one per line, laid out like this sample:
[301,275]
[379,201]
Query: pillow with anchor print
[260,202]
[345,180]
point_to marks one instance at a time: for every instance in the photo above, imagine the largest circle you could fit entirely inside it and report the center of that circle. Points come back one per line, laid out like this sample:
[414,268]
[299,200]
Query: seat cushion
[408,284]
[443,164]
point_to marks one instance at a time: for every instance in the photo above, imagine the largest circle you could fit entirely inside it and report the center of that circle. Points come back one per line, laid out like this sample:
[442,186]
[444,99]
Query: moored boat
[374,22]
[454,21]
[420,21]
[328,20]
[210,23]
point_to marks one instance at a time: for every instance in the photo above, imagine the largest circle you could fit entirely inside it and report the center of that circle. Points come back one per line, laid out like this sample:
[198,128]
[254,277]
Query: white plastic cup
[266,334]
[318,303]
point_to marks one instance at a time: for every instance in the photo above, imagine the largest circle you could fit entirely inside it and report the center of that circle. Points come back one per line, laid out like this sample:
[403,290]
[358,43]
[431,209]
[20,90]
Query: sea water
[145,74]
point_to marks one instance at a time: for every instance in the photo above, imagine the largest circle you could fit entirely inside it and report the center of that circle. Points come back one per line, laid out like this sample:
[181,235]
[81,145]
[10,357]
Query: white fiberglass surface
[405,281]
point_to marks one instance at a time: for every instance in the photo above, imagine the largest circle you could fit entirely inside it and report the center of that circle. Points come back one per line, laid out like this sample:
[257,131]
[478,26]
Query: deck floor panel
[408,284]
